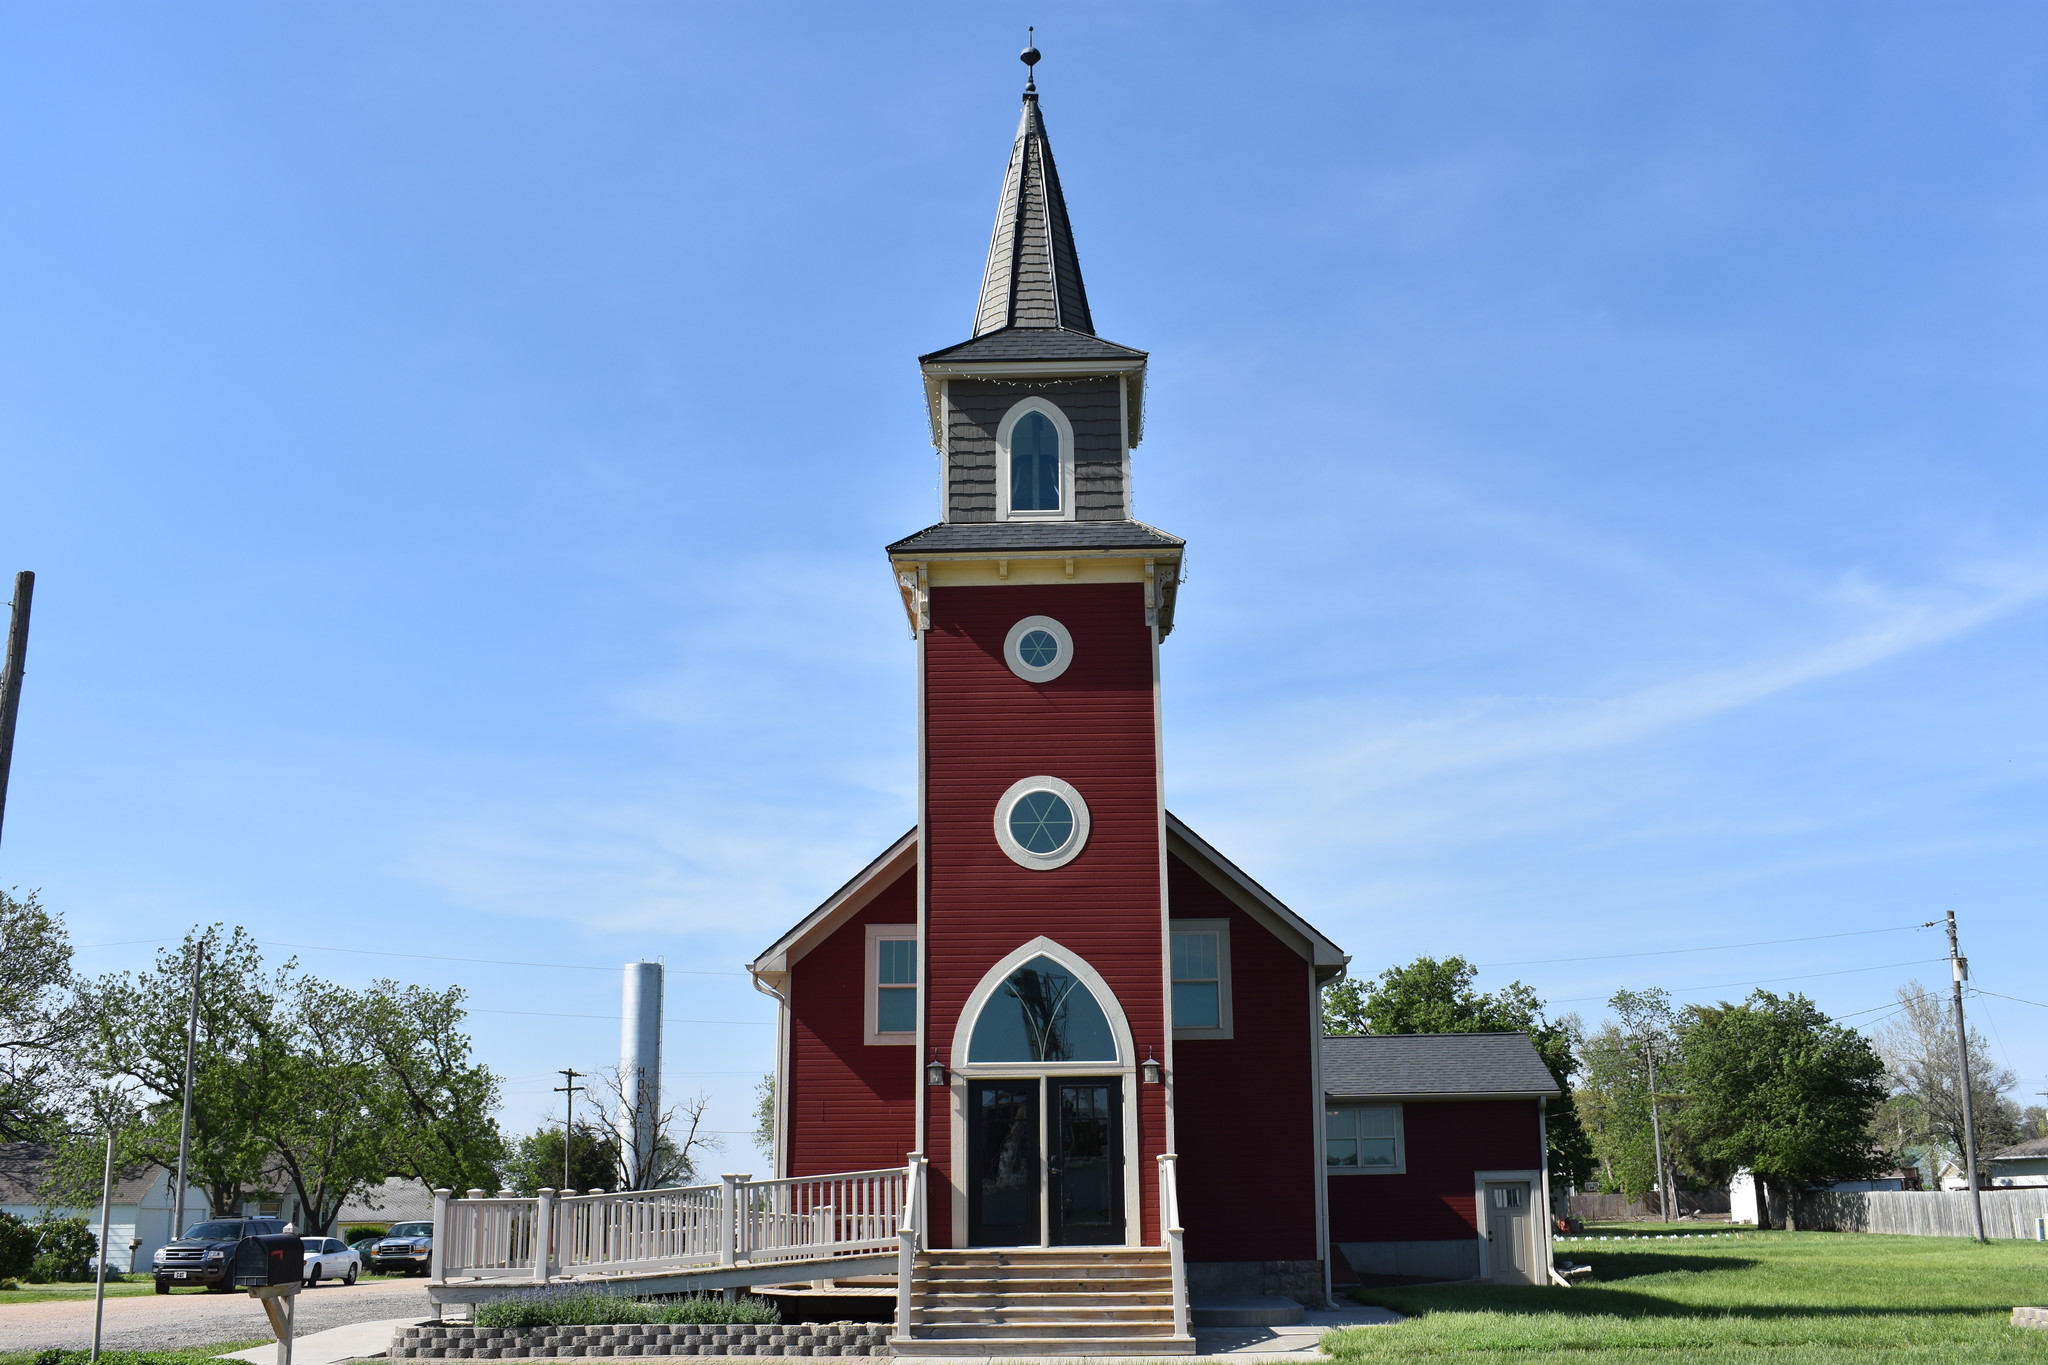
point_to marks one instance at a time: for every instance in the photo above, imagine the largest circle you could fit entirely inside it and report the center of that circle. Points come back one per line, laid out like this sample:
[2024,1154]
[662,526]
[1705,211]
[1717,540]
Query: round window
[1041,823]
[1038,649]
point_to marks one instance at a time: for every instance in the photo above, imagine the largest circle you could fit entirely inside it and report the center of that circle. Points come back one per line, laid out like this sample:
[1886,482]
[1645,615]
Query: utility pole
[10,675]
[1657,1130]
[570,1073]
[1959,972]
[185,1121]
[99,1289]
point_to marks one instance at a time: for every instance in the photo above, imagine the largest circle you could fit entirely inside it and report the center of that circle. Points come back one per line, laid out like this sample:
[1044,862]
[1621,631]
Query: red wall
[1446,1142]
[1093,726]
[852,1107]
[1245,1106]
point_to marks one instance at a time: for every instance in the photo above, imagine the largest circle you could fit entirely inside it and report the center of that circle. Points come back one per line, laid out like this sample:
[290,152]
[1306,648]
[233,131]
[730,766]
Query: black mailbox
[274,1258]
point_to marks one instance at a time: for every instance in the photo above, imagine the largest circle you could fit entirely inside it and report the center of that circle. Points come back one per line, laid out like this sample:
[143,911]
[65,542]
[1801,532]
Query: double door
[1045,1161]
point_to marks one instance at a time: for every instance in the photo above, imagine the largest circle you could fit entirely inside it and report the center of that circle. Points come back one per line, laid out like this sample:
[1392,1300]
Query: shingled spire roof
[1033,277]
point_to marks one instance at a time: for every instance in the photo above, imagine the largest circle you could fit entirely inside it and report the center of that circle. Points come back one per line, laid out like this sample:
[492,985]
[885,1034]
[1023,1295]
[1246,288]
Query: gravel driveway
[188,1319]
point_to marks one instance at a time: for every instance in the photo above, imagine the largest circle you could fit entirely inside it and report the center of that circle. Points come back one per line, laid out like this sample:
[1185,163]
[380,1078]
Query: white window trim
[1066,433]
[1225,1020]
[1024,857]
[1400,1166]
[871,982]
[1026,671]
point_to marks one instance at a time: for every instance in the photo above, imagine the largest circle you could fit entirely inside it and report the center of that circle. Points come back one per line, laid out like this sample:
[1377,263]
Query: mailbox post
[272,1267]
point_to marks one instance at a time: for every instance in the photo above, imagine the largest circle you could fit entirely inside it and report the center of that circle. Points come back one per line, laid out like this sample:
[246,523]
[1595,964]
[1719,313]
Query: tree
[1432,995]
[535,1163]
[2033,1123]
[39,1020]
[1614,1105]
[680,1138]
[17,1247]
[1776,1086]
[297,1082]
[1924,1116]
[764,1115]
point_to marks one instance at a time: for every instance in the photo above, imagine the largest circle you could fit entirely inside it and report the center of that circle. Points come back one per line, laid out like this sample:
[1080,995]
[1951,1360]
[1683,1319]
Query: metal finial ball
[1029,56]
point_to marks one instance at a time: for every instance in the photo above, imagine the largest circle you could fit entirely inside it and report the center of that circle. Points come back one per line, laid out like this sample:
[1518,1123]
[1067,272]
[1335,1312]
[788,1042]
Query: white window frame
[1400,1166]
[871,985]
[1225,1021]
[1028,672]
[1065,428]
[1024,857]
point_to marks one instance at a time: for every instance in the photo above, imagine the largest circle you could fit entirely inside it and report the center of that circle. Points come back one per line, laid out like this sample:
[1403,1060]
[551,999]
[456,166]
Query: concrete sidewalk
[351,1342]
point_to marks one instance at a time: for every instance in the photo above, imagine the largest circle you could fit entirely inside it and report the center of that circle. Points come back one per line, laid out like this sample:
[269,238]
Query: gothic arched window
[1042,1013]
[1034,464]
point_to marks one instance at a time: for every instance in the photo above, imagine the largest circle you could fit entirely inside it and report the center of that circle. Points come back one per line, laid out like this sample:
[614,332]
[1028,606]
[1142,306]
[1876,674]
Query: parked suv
[206,1253]
[408,1249]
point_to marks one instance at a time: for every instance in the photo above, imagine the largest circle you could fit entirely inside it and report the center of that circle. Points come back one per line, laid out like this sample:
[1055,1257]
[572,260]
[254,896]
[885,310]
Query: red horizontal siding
[1446,1141]
[1245,1106]
[1093,727]
[852,1107]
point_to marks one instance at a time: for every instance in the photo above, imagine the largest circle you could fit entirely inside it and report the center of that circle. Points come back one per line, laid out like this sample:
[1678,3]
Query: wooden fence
[2008,1214]
[1619,1208]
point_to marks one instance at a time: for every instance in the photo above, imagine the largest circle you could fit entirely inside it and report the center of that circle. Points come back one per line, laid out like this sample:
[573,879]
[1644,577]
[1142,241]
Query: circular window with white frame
[1041,823]
[1038,649]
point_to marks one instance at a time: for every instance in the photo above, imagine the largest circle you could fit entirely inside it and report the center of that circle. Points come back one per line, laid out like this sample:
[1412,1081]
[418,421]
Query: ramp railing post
[909,1235]
[732,1219]
[1170,1233]
[544,1237]
[437,1264]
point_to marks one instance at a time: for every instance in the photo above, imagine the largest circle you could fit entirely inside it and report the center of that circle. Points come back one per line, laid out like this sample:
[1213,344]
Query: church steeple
[1033,277]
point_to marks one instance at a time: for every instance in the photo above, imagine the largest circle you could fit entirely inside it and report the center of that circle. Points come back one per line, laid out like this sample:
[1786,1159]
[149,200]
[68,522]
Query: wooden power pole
[10,676]
[1959,972]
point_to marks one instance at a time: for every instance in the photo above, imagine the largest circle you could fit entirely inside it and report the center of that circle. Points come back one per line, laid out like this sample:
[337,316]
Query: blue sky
[456,443]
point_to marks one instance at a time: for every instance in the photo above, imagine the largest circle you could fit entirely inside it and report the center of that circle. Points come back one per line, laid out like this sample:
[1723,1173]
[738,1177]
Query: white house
[139,1215]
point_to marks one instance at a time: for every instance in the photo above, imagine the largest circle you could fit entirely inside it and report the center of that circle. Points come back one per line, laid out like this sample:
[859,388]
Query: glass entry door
[1045,1162]
[1085,1169]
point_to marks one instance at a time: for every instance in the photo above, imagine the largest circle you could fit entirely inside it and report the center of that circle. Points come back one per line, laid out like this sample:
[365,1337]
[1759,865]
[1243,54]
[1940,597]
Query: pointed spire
[1033,277]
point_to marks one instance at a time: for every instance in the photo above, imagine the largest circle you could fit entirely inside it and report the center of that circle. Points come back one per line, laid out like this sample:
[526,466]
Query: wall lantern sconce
[935,1070]
[1149,1069]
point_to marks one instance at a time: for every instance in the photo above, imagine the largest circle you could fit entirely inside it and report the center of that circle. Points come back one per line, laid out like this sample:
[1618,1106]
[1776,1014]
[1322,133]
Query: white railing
[738,1221]
[1170,1233]
[909,1239]
[823,1215]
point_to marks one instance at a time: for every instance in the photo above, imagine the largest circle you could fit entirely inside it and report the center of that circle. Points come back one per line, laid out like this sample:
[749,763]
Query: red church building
[1102,1035]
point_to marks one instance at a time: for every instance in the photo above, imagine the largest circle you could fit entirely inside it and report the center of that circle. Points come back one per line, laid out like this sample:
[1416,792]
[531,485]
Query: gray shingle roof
[948,537]
[24,1166]
[2033,1149]
[1434,1065]
[1035,343]
[1033,278]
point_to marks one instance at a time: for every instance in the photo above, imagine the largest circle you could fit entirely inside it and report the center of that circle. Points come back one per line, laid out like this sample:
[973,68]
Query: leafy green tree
[65,1248]
[1432,995]
[1614,1105]
[1775,1085]
[39,1021]
[2033,1123]
[764,1115]
[535,1162]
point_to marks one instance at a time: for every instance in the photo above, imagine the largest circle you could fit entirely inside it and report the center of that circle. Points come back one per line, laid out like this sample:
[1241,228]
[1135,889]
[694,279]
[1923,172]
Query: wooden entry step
[1024,1301]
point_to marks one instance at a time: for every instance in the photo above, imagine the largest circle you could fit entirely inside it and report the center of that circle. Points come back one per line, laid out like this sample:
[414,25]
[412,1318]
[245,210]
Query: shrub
[17,1247]
[568,1306]
[64,1251]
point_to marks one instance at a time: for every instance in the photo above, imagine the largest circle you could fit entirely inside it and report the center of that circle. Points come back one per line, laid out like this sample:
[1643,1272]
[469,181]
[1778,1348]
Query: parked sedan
[327,1258]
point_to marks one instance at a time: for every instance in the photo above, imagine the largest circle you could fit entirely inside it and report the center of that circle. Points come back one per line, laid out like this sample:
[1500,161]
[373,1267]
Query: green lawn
[45,1293]
[1771,1298]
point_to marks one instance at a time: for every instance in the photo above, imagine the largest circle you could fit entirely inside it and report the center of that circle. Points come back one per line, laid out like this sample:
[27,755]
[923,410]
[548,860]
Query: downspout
[1549,1211]
[777,1156]
[1319,1166]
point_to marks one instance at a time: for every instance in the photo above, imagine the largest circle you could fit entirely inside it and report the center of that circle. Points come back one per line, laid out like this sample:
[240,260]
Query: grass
[190,1355]
[1770,1298]
[117,1287]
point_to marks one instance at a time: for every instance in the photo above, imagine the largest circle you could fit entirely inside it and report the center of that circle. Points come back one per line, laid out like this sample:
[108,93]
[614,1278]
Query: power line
[549,1014]
[420,957]
[1713,948]
[1979,990]
[1767,981]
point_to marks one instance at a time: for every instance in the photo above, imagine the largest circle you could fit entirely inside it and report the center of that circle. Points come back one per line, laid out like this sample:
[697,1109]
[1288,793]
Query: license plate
[179,1274]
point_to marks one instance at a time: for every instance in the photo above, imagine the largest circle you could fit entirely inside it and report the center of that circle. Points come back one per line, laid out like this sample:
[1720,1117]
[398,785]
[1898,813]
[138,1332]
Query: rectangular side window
[1363,1138]
[1199,961]
[891,984]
